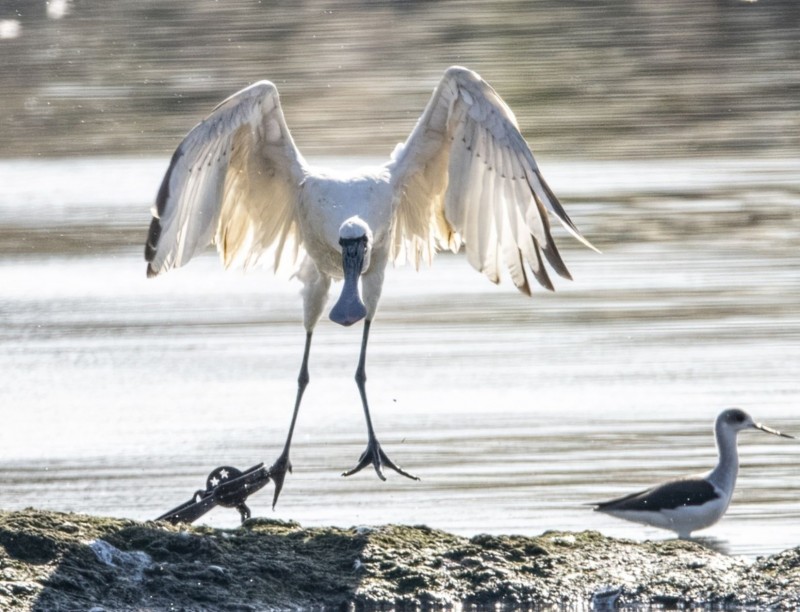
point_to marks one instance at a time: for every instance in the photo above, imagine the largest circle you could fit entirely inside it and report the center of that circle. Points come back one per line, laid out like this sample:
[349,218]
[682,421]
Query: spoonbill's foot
[374,455]
[278,472]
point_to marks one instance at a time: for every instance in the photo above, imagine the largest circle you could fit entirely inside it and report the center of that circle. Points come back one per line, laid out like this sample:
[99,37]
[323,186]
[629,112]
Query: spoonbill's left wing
[234,180]
[466,176]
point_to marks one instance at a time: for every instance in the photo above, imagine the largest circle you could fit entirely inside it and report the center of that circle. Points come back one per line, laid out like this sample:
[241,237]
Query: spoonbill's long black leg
[374,453]
[282,464]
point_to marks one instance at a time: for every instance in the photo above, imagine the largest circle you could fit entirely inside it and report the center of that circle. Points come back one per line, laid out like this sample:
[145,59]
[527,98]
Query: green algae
[53,561]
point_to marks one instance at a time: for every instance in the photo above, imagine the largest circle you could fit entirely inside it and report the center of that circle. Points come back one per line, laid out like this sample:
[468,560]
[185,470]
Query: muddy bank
[53,561]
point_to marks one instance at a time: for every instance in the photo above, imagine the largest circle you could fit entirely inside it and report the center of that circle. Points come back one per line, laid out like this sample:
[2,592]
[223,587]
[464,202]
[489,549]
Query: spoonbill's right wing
[235,181]
[467,177]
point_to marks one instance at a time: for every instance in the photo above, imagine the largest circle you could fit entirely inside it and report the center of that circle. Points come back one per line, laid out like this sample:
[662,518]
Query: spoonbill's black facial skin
[350,308]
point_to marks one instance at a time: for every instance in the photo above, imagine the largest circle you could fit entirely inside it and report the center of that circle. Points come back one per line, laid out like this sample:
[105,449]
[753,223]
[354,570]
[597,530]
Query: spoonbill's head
[355,240]
[736,420]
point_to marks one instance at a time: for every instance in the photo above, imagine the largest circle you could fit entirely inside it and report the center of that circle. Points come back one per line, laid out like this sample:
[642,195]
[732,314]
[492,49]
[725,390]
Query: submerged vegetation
[53,561]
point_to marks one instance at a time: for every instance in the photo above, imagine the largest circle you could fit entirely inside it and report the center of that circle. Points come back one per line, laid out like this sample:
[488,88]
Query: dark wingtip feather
[562,214]
[163,190]
[525,287]
[555,204]
[613,503]
[541,275]
[153,234]
[554,259]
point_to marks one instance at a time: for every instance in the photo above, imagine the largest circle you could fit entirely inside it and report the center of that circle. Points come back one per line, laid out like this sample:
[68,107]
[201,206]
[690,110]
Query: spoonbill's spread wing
[234,180]
[466,176]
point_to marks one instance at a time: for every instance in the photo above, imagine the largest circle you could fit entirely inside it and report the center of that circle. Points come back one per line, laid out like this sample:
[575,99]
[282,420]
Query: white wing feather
[234,180]
[466,176]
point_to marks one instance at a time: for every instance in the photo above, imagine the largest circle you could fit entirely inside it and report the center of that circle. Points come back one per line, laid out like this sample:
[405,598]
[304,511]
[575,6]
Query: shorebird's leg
[373,454]
[282,464]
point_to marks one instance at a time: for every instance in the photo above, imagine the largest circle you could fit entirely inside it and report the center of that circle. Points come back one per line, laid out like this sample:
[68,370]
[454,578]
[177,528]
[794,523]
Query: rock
[53,561]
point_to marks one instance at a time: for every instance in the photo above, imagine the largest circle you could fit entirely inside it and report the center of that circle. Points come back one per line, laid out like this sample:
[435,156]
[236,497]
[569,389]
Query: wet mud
[53,561]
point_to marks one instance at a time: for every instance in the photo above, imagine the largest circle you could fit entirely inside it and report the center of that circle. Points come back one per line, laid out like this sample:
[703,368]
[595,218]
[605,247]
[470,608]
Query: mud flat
[53,561]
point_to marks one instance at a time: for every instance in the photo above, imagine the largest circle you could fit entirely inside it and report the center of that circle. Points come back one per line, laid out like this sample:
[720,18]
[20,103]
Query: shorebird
[692,503]
[465,176]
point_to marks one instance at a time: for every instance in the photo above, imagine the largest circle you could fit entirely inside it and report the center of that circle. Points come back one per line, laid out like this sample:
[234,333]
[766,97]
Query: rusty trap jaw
[225,486]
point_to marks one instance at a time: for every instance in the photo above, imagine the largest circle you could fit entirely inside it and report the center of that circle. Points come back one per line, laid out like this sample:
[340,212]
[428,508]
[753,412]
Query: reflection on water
[121,394]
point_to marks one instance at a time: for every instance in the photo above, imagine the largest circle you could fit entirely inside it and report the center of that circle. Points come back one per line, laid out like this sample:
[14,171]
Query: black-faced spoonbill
[695,502]
[465,176]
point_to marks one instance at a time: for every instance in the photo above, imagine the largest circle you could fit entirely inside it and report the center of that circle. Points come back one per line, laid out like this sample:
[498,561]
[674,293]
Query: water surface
[120,393]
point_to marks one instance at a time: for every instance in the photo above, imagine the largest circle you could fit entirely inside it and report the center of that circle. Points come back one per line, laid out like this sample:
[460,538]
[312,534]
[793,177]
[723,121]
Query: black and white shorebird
[692,503]
[464,177]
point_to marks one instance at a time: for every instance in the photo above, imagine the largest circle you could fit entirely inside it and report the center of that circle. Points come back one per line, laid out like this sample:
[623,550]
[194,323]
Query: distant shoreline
[597,81]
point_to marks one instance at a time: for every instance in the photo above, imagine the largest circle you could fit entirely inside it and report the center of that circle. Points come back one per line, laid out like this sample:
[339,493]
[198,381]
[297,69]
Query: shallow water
[120,393]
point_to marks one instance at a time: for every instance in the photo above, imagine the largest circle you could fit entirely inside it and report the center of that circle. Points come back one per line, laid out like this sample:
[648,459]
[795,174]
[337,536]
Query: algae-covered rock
[51,561]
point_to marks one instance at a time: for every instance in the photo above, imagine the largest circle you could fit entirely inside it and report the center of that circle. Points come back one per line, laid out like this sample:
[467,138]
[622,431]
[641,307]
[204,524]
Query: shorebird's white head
[735,419]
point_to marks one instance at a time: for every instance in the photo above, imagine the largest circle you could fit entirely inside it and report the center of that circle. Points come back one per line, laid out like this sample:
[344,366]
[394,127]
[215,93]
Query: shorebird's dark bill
[774,431]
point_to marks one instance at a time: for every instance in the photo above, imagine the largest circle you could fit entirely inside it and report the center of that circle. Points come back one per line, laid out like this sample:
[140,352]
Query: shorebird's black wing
[667,496]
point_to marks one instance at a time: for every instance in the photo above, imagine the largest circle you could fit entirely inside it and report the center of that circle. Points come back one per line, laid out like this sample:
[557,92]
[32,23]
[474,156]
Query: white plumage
[465,177]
